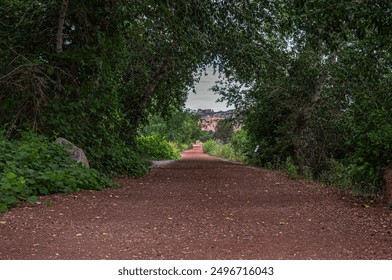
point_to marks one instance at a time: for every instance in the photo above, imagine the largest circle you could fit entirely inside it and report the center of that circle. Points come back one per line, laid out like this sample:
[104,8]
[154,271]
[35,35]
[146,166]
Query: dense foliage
[181,127]
[224,130]
[156,147]
[164,137]
[318,101]
[235,149]
[34,166]
[92,71]
[312,79]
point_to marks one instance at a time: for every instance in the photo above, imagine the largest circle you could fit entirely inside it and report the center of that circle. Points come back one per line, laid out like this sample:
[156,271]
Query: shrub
[226,151]
[206,135]
[224,130]
[107,150]
[343,176]
[34,166]
[118,159]
[223,151]
[209,146]
[291,169]
[184,147]
[180,126]
[241,146]
[155,147]
[336,174]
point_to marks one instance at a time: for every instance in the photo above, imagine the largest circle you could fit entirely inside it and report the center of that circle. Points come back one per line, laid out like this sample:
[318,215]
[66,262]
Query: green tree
[181,127]
[224,130]
[92,71]
[312,79]
[315,85]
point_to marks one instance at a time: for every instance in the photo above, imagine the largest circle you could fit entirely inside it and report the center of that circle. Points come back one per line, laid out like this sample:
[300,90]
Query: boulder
[75,153]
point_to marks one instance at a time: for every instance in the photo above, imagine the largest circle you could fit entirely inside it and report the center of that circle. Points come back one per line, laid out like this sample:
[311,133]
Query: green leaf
[3,208]
[11,175]
[10,199]
[43,190]
[32,199]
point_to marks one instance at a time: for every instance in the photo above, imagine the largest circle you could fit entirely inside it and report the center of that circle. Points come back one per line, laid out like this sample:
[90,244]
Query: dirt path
[200,208]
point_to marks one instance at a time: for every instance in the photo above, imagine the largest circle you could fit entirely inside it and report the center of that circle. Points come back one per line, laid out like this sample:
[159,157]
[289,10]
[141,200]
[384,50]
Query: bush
[33,166]
[226,151]
[206,135]
[343,176]
[155,147]
[294,172]
[291,169]
[118,159]
[224,130]
[180,127]
[336,174]
[184,147]
[100,133]
[209,146]
[241,146]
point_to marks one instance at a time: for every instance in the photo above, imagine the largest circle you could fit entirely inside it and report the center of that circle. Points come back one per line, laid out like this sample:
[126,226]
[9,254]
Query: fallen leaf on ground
[283,223]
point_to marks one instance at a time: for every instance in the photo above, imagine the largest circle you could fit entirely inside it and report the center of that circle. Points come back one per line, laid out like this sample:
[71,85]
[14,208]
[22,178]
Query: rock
[75,153]
[208,119]
[209,123]
[388,185]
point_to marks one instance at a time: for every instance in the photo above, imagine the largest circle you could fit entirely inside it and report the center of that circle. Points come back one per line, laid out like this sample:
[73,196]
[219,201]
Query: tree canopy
[320,91]
[312,78]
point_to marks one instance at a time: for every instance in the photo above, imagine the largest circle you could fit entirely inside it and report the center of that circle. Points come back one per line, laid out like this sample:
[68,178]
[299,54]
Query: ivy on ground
[33,166]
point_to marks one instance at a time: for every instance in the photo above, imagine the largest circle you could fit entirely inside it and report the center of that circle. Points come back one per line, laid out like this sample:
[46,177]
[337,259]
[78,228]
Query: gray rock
[75,153]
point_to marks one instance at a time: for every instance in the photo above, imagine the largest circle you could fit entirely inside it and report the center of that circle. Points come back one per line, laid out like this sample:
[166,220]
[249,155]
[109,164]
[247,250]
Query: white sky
[205,98]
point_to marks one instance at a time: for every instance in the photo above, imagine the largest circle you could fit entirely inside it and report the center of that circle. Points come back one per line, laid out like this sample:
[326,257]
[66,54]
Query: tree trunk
[306,113]
[321,81]
[60,38]
[60,26]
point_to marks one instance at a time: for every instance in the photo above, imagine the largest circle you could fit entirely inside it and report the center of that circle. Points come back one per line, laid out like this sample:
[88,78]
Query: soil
[200,207]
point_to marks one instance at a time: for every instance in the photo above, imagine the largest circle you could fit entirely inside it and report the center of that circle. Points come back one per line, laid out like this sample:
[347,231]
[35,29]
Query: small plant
[291,169]
[307,173]
[48,202]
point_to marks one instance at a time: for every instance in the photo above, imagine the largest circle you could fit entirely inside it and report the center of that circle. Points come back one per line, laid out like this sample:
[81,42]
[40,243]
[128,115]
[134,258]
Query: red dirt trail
[200,207]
